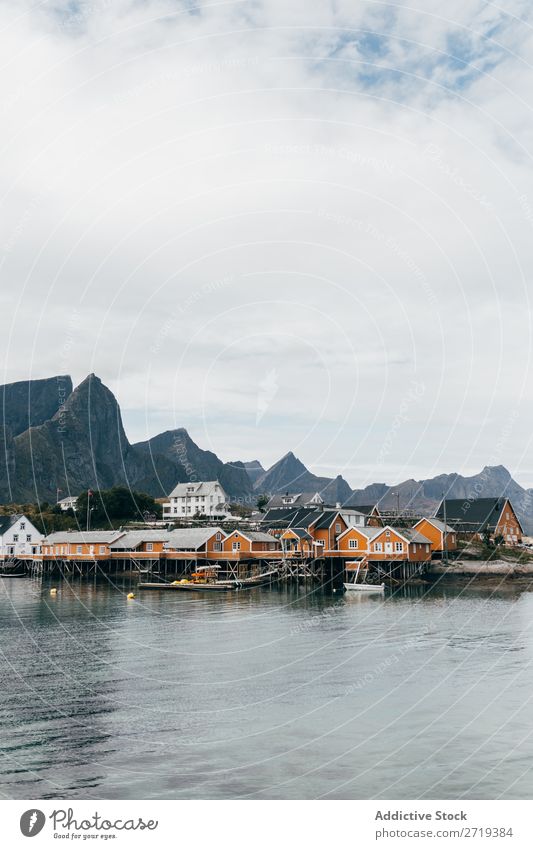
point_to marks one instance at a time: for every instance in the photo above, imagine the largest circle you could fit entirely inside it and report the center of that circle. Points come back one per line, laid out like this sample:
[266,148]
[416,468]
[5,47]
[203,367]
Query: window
[15,537]
[353,543]
[217,546]
[34,549]
[398,546]
[23,526]
[414,546]
[387,533]
[149,546]
[218,536]
[78,549]
[338,528]
[427,547]
[102,549]
[28,537]
[378,546]
[236,546]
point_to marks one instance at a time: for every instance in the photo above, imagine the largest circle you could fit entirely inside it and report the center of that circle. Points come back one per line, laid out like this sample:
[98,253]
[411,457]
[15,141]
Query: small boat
[12,569]
[205,580]
[358,586]
[189,586]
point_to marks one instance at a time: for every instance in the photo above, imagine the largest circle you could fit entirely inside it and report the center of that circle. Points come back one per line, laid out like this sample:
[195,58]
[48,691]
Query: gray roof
[411,534]
[133,539]
[190,539]
[438,524]
[80,537]
[199,488]
[258,536]
[299,499]
[366,531]
[473,515]
[6,522]
[299,532]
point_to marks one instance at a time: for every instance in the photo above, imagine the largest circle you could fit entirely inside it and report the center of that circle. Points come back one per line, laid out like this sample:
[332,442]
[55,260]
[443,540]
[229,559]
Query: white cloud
[196,197]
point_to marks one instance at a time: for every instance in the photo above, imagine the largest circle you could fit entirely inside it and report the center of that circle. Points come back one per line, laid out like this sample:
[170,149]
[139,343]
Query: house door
[91,550]
[388,548]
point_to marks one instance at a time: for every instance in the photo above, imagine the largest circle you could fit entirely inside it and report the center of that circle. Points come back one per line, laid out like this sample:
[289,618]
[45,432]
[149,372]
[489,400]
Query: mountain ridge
[75,439]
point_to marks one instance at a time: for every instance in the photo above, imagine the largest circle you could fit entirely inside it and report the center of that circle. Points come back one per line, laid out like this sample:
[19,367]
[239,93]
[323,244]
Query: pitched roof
[437,524]
[474,515]
[298,499]
[366,531]
[408,534]
[80,537]
[191,490]
[6,522]
[289,517]
[258,536]
[301,533]
[133,539]
[326,520]
[190,539]
[365,509]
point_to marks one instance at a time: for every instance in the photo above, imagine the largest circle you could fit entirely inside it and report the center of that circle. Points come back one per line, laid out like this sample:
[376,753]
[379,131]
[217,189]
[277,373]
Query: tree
[117,505]
[262,502]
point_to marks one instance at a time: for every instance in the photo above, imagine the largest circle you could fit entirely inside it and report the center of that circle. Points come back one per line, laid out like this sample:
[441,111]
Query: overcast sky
[301,225]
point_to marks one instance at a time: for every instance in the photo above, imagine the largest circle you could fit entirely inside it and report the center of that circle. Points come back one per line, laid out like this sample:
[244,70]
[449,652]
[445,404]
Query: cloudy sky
[298,226]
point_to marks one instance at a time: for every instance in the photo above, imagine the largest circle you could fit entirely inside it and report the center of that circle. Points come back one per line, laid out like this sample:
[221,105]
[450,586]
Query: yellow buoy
[131,595]
[53,591]
[174,583]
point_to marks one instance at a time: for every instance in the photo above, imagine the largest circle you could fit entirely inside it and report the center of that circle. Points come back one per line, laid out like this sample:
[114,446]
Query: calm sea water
[266,694]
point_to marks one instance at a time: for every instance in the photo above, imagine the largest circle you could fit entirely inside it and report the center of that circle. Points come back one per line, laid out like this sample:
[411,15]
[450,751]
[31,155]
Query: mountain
[290,475]
[425,495]
[55,437]
[254,470]
[197,464]
[83,445]
[32,402]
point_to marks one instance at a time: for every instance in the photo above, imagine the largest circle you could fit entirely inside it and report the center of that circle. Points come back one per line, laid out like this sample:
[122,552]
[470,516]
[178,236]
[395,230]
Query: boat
[357,586]
[205,579]
[12,569]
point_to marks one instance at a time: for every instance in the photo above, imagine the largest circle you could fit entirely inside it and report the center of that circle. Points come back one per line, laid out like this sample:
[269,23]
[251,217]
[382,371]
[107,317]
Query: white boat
[365,588]
[359,586]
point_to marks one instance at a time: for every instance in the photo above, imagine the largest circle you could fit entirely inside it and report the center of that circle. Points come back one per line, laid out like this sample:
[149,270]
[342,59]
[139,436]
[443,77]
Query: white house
[204,497]
[18,537]
[68,503]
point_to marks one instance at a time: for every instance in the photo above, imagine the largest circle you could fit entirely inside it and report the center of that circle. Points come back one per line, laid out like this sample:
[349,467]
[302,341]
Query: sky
[297,226]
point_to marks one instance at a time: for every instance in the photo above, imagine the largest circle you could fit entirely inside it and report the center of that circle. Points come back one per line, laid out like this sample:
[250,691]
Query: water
[272,693]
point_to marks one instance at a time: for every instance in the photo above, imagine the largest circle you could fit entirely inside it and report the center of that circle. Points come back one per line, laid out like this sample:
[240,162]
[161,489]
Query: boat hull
[198,588]
[365,588]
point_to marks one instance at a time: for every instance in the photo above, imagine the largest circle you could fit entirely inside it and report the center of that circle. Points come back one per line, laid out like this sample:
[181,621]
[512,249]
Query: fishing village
[199,546]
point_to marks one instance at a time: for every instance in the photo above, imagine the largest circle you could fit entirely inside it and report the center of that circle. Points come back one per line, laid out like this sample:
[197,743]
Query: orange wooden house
[250,542]
[477,517]
[326,530]
[399,544]
[297,540]
[442,537]
[84,545]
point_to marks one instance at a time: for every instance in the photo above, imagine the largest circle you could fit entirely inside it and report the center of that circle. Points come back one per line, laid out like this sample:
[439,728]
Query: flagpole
[89,493]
